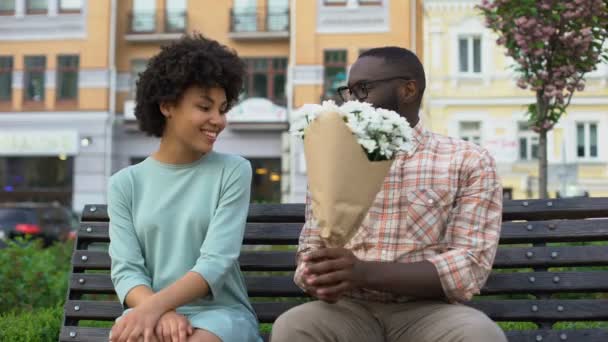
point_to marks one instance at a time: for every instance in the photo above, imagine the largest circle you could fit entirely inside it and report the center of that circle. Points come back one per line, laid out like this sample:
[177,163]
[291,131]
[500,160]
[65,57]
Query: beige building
[326,39]
[68,70]
[472,94]
[55,113]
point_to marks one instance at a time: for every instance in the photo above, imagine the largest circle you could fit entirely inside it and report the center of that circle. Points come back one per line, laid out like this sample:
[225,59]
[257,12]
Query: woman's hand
[139,323]
[173,327]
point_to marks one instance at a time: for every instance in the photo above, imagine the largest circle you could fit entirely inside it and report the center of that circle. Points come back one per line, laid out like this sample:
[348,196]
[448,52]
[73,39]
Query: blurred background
[68,70]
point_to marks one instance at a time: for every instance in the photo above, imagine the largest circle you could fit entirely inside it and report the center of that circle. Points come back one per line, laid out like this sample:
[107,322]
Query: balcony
[156,26]
[259,24]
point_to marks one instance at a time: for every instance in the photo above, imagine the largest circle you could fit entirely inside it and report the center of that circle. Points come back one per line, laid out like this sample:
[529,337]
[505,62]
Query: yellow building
[258,31]
[68,70]
[326,38]
[472,94]
[297,52]
[55,73]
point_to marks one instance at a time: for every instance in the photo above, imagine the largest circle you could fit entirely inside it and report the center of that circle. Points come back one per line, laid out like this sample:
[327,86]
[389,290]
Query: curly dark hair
[193,60]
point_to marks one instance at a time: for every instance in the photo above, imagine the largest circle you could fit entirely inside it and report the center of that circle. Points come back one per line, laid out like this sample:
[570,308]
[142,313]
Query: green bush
[33,277]
[39,325]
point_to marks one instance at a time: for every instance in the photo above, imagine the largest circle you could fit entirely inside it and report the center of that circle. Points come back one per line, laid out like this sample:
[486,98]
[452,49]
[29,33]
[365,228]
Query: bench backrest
[550,250]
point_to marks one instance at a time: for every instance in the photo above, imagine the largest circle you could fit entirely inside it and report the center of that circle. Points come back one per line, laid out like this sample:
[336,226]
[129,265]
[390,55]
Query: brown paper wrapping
[343,183]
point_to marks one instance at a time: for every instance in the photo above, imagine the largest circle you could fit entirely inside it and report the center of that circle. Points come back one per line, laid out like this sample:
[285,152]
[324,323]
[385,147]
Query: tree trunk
[541,107]
[542,164]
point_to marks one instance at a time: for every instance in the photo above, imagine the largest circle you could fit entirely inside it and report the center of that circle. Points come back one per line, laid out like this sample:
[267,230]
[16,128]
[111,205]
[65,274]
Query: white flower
[382,133]
[369,144]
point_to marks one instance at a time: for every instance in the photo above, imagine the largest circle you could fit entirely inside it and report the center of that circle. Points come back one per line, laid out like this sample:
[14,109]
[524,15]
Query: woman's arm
[130,276]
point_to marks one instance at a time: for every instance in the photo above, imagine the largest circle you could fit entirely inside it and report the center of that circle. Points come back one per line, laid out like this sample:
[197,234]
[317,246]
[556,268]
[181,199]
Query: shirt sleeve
[310,239]
[128,268]
[222,245]
[473,230]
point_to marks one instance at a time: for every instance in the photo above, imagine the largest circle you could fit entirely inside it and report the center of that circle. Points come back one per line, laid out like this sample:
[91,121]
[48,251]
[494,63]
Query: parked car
[48,221]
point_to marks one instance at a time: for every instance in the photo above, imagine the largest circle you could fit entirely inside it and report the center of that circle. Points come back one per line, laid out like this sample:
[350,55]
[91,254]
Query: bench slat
[501,310]
[512,232]
[563,208]
[91,283]
[506,257]
[555,231]
[255,233]
[545,282]
[91,260]
[498,283]
[101,310]
[586,335]
[84,334]
[530,210]
[552,256]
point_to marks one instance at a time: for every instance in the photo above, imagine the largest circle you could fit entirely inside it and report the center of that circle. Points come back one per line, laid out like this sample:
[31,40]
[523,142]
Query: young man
[427,243]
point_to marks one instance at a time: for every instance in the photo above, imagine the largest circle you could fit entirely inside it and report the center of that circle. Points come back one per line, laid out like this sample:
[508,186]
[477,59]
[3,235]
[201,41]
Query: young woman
[177,219]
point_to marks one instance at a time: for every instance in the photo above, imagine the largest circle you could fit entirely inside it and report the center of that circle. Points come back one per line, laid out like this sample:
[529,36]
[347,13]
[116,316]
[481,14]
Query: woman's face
[197,119]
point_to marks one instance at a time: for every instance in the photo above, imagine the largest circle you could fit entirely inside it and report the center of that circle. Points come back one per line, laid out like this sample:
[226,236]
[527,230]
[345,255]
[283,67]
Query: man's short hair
[404,61]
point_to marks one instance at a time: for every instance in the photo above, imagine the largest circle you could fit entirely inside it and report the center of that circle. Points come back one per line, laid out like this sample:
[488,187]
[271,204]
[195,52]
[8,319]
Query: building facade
[55,113]
[68,70]
[326,39]
[472,94]
[258,31]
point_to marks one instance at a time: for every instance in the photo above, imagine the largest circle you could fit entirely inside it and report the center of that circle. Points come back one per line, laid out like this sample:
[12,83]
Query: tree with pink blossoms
[555,44]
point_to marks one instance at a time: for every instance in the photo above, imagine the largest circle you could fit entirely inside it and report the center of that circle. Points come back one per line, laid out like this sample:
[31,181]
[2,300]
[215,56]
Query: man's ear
[166,109]
[408,92]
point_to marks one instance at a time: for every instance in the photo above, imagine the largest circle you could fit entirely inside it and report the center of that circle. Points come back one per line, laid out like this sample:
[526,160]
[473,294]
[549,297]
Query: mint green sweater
[167,220]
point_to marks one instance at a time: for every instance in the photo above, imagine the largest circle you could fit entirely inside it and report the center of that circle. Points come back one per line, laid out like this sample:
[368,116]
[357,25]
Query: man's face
[381,94]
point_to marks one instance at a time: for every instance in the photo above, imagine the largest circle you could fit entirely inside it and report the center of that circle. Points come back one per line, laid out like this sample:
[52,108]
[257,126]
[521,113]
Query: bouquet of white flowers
[349,150]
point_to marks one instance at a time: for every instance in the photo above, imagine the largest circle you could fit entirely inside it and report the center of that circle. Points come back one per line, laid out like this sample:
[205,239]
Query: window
[471,131]
[6,78]
[586,140]
[507,193]
[469,54]
[37,6]
[175,16]
[528,142]
[352,2]
[137,67]
[70,6]
[244,16]
[266,78]
[266,180]
[143,17]
[21,173]
[278,15]
[7,7]
[21,179]
[67,77]
[370,2]
[335,72]
[34,78]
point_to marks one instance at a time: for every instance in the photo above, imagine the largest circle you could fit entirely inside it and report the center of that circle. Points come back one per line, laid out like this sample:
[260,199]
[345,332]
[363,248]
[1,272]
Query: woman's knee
[201,335]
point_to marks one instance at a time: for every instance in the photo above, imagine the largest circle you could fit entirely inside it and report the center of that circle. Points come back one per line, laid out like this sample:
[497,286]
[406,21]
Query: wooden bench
[525,285]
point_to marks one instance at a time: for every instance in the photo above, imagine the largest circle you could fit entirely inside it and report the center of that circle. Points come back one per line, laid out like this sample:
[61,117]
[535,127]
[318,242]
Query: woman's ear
[166,109]
[408,92]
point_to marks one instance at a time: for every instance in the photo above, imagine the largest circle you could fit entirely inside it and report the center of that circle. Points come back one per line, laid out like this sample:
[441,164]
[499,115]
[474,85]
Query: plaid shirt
[441,203]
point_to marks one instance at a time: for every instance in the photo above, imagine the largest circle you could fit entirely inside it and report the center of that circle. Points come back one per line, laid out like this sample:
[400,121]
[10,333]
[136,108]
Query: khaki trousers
[355,320]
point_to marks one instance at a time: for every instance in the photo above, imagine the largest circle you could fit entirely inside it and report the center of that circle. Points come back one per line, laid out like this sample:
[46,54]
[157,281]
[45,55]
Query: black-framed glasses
[360,90]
